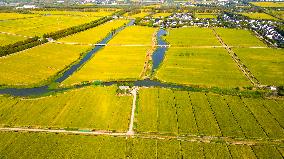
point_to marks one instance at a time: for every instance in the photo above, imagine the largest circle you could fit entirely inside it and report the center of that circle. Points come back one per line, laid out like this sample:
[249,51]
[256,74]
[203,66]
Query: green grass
[10,16]
[43,24]
[138,15]
[265,16]
[9,39]
[201,66]
[192,36]
[239,38]
[95,34]
[36,65]
[186,113]
[267,65]
[205,15]
[269,4]
[86,108]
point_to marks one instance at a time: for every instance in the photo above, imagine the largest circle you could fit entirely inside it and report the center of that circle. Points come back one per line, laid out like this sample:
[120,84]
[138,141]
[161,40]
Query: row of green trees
[21,45]
[31,42]
[76,29]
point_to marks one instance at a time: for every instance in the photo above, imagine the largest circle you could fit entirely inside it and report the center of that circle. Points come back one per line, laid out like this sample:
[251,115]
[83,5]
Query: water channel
[157,57]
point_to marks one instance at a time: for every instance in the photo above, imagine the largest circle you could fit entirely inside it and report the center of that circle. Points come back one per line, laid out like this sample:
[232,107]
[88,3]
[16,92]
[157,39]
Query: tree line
[32,42]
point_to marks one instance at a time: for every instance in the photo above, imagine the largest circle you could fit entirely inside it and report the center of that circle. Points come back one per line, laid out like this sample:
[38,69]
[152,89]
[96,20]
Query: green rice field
[6,39]
[42,24]
[259,16]
[269,4]
[89,108]
[118,61]
[205,15]
[194,37]
[241,38]
[201,66]
[165,111]
[266,64]
[95,34]
[13,16]
[77,146]
[45,61]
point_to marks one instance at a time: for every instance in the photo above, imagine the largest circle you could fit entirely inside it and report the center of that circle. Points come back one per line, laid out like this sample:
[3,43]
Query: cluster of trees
[21,45]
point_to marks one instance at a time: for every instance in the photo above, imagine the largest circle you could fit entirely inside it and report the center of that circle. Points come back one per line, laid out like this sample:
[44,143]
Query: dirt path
[130,129]
[2,32]
[189,138]
[148,55]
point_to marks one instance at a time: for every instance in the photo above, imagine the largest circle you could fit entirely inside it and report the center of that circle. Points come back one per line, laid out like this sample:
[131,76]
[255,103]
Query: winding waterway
[157,57]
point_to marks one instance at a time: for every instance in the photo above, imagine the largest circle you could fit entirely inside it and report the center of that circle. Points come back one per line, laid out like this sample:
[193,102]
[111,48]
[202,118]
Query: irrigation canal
[157,58]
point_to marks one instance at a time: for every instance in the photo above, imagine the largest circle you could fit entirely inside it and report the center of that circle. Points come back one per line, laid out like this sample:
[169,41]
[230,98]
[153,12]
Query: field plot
[14,144]
[161,15]
[269,4]
[267,65]
[117,62]
[259,16]
[187,113]
[134,35]
[95,34]
[76,13]
[205,15]
[44,24]
[37,64]
[91,108]
[201,66]
[239,38]
[138,15]
[278,14]
[10,16]
[192,36]
[9,39]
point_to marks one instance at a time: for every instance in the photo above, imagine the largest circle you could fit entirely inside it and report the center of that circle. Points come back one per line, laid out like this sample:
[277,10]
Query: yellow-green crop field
[138,15]
[25,145]
[192,36]
[37,64]
[112,63]
[201,66]
[269,4]
[266,64]
[167,111]
[44,24]
[95,34]
[9,39]
[100,13]
[7,16]
[239,38]
[259,16]
[161,15]
[205,15]
[134,35]
[118,61]
[89,108]
[278,14]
